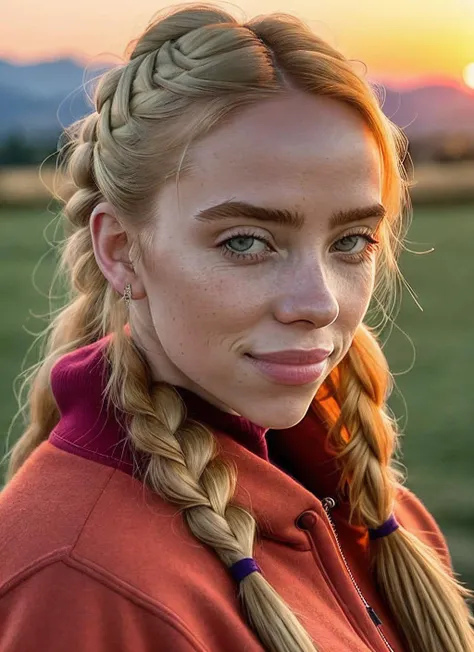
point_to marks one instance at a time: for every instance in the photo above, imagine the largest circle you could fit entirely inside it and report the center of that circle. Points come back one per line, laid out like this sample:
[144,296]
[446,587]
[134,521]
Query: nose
[305,295]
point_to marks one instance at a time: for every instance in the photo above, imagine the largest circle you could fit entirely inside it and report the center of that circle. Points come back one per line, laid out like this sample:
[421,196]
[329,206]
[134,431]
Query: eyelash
[372,245]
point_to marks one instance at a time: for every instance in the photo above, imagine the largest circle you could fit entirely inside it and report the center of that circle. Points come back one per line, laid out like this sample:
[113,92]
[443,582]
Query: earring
[127,295]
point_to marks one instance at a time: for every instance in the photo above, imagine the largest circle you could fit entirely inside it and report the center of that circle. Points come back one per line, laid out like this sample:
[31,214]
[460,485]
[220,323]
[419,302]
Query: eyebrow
[284,217]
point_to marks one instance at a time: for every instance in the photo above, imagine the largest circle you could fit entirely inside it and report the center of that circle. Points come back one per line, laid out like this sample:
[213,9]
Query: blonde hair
[188,71]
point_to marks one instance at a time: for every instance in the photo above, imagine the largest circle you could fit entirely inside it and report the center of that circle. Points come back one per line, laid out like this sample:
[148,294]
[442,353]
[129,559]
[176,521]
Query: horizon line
[400,80]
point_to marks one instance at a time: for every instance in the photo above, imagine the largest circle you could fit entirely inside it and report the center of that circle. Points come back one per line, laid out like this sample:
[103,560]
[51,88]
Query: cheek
[355,293]
[200,308]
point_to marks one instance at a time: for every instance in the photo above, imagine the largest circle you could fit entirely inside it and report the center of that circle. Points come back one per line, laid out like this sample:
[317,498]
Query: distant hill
[49,79]
[430,110]
[37,100]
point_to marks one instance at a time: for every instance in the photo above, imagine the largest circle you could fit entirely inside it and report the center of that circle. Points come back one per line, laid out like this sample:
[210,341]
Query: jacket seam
[122,587]
[64,444]
[134,595]
[37,565]
[110,582]
[58,553]
[65,555]
[130,593]
[93,506]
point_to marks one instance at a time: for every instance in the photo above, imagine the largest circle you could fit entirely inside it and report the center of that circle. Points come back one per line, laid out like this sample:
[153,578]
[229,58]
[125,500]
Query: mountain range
[37,100]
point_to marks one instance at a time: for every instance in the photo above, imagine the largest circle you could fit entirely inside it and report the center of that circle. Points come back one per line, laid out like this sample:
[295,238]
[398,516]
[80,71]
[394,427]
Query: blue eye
[246,246]
[242,243]
[349,243]
[355,243]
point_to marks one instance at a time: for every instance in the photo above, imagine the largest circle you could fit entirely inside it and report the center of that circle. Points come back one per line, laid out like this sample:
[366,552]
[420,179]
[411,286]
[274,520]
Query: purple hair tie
[244,567]
[385,529]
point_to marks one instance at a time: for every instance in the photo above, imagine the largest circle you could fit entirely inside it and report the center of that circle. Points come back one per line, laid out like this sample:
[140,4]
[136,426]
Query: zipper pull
[373,616]
[328,503]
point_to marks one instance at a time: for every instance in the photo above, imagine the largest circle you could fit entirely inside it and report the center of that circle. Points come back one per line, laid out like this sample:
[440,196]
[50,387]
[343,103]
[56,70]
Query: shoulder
[62,507]
[415,517]
[45,506]
[60,504]
[62,606]
[80,542]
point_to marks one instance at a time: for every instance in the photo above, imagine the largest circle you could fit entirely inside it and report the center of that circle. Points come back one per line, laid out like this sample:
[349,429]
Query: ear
[112,245]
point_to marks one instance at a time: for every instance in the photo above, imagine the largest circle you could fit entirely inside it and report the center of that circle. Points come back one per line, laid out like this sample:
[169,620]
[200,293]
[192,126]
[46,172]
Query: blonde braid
[80,321]
[172,66]
[184,469]
[424,597]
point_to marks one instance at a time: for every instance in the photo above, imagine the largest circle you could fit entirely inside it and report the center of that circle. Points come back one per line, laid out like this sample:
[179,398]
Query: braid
[175,25]
[362,390]
[425,598]
[183,59]
[80,321]
[185,470]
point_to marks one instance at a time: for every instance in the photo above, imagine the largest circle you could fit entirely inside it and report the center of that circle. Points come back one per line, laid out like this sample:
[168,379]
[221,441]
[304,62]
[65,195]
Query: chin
[280,413]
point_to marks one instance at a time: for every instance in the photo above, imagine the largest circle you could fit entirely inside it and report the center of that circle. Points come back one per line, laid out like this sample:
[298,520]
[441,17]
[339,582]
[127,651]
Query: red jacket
[93,561]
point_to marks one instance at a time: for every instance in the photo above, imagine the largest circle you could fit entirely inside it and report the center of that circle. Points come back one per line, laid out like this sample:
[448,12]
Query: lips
[299,357]
[296,367]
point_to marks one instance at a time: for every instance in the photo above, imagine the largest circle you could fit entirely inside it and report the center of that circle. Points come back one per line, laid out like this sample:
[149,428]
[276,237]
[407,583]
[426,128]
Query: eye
[246,247]
[244,244]
[355,243]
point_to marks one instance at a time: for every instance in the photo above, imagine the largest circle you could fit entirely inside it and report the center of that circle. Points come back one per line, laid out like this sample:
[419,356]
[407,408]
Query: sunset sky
[397,40]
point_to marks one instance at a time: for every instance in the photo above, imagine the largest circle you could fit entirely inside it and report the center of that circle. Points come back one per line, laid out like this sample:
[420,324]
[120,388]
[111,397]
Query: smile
[292,367]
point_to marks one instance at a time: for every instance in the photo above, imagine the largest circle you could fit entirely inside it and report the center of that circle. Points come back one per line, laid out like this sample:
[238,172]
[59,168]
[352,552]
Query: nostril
[305,521]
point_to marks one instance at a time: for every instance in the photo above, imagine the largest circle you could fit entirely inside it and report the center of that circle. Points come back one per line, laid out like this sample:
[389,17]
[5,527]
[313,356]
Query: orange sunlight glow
[468,75]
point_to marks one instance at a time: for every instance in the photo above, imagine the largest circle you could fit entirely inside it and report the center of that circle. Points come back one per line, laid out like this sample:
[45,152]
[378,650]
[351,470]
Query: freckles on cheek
[198,300]
[224,293]
[355,296]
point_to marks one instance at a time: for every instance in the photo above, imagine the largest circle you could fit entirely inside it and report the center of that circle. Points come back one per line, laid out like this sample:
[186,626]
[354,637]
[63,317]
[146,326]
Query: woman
[208,463]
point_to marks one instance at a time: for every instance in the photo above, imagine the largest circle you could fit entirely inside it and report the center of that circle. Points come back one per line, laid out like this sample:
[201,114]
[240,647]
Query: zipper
[328,504]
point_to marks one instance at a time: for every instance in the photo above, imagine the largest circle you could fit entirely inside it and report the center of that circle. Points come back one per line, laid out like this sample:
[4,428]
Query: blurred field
[433,183]
[29,185]
[439,440]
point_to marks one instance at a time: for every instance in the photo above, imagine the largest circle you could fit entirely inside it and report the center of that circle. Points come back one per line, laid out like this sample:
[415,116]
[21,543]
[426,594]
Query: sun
[468,75]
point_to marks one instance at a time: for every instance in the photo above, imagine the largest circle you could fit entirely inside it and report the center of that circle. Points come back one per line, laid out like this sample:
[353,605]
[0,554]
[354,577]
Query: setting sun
[468,75]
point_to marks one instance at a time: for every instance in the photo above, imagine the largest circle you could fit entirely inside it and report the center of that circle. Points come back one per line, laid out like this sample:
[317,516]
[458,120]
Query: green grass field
[438,443]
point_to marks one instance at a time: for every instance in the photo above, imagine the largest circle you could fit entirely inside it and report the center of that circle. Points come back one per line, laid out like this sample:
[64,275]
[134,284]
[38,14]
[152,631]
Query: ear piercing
[127,295]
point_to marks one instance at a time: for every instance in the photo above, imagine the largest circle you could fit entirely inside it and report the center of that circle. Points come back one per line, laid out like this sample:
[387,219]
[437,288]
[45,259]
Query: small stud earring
[127,295]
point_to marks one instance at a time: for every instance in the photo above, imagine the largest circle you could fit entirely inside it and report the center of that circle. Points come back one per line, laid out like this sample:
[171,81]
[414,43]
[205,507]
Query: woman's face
[264,247]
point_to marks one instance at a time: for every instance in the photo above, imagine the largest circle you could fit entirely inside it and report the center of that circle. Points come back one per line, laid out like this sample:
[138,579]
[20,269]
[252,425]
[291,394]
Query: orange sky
[399,39]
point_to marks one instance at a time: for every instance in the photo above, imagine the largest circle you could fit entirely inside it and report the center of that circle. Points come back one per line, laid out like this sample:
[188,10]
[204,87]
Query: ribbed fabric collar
[89,429]
[245,432]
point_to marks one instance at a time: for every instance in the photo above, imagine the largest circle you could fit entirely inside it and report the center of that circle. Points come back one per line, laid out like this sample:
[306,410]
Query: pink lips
[296,367]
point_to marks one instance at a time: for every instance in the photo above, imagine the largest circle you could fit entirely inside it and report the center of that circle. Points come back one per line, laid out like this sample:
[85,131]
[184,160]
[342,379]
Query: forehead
[288,151]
